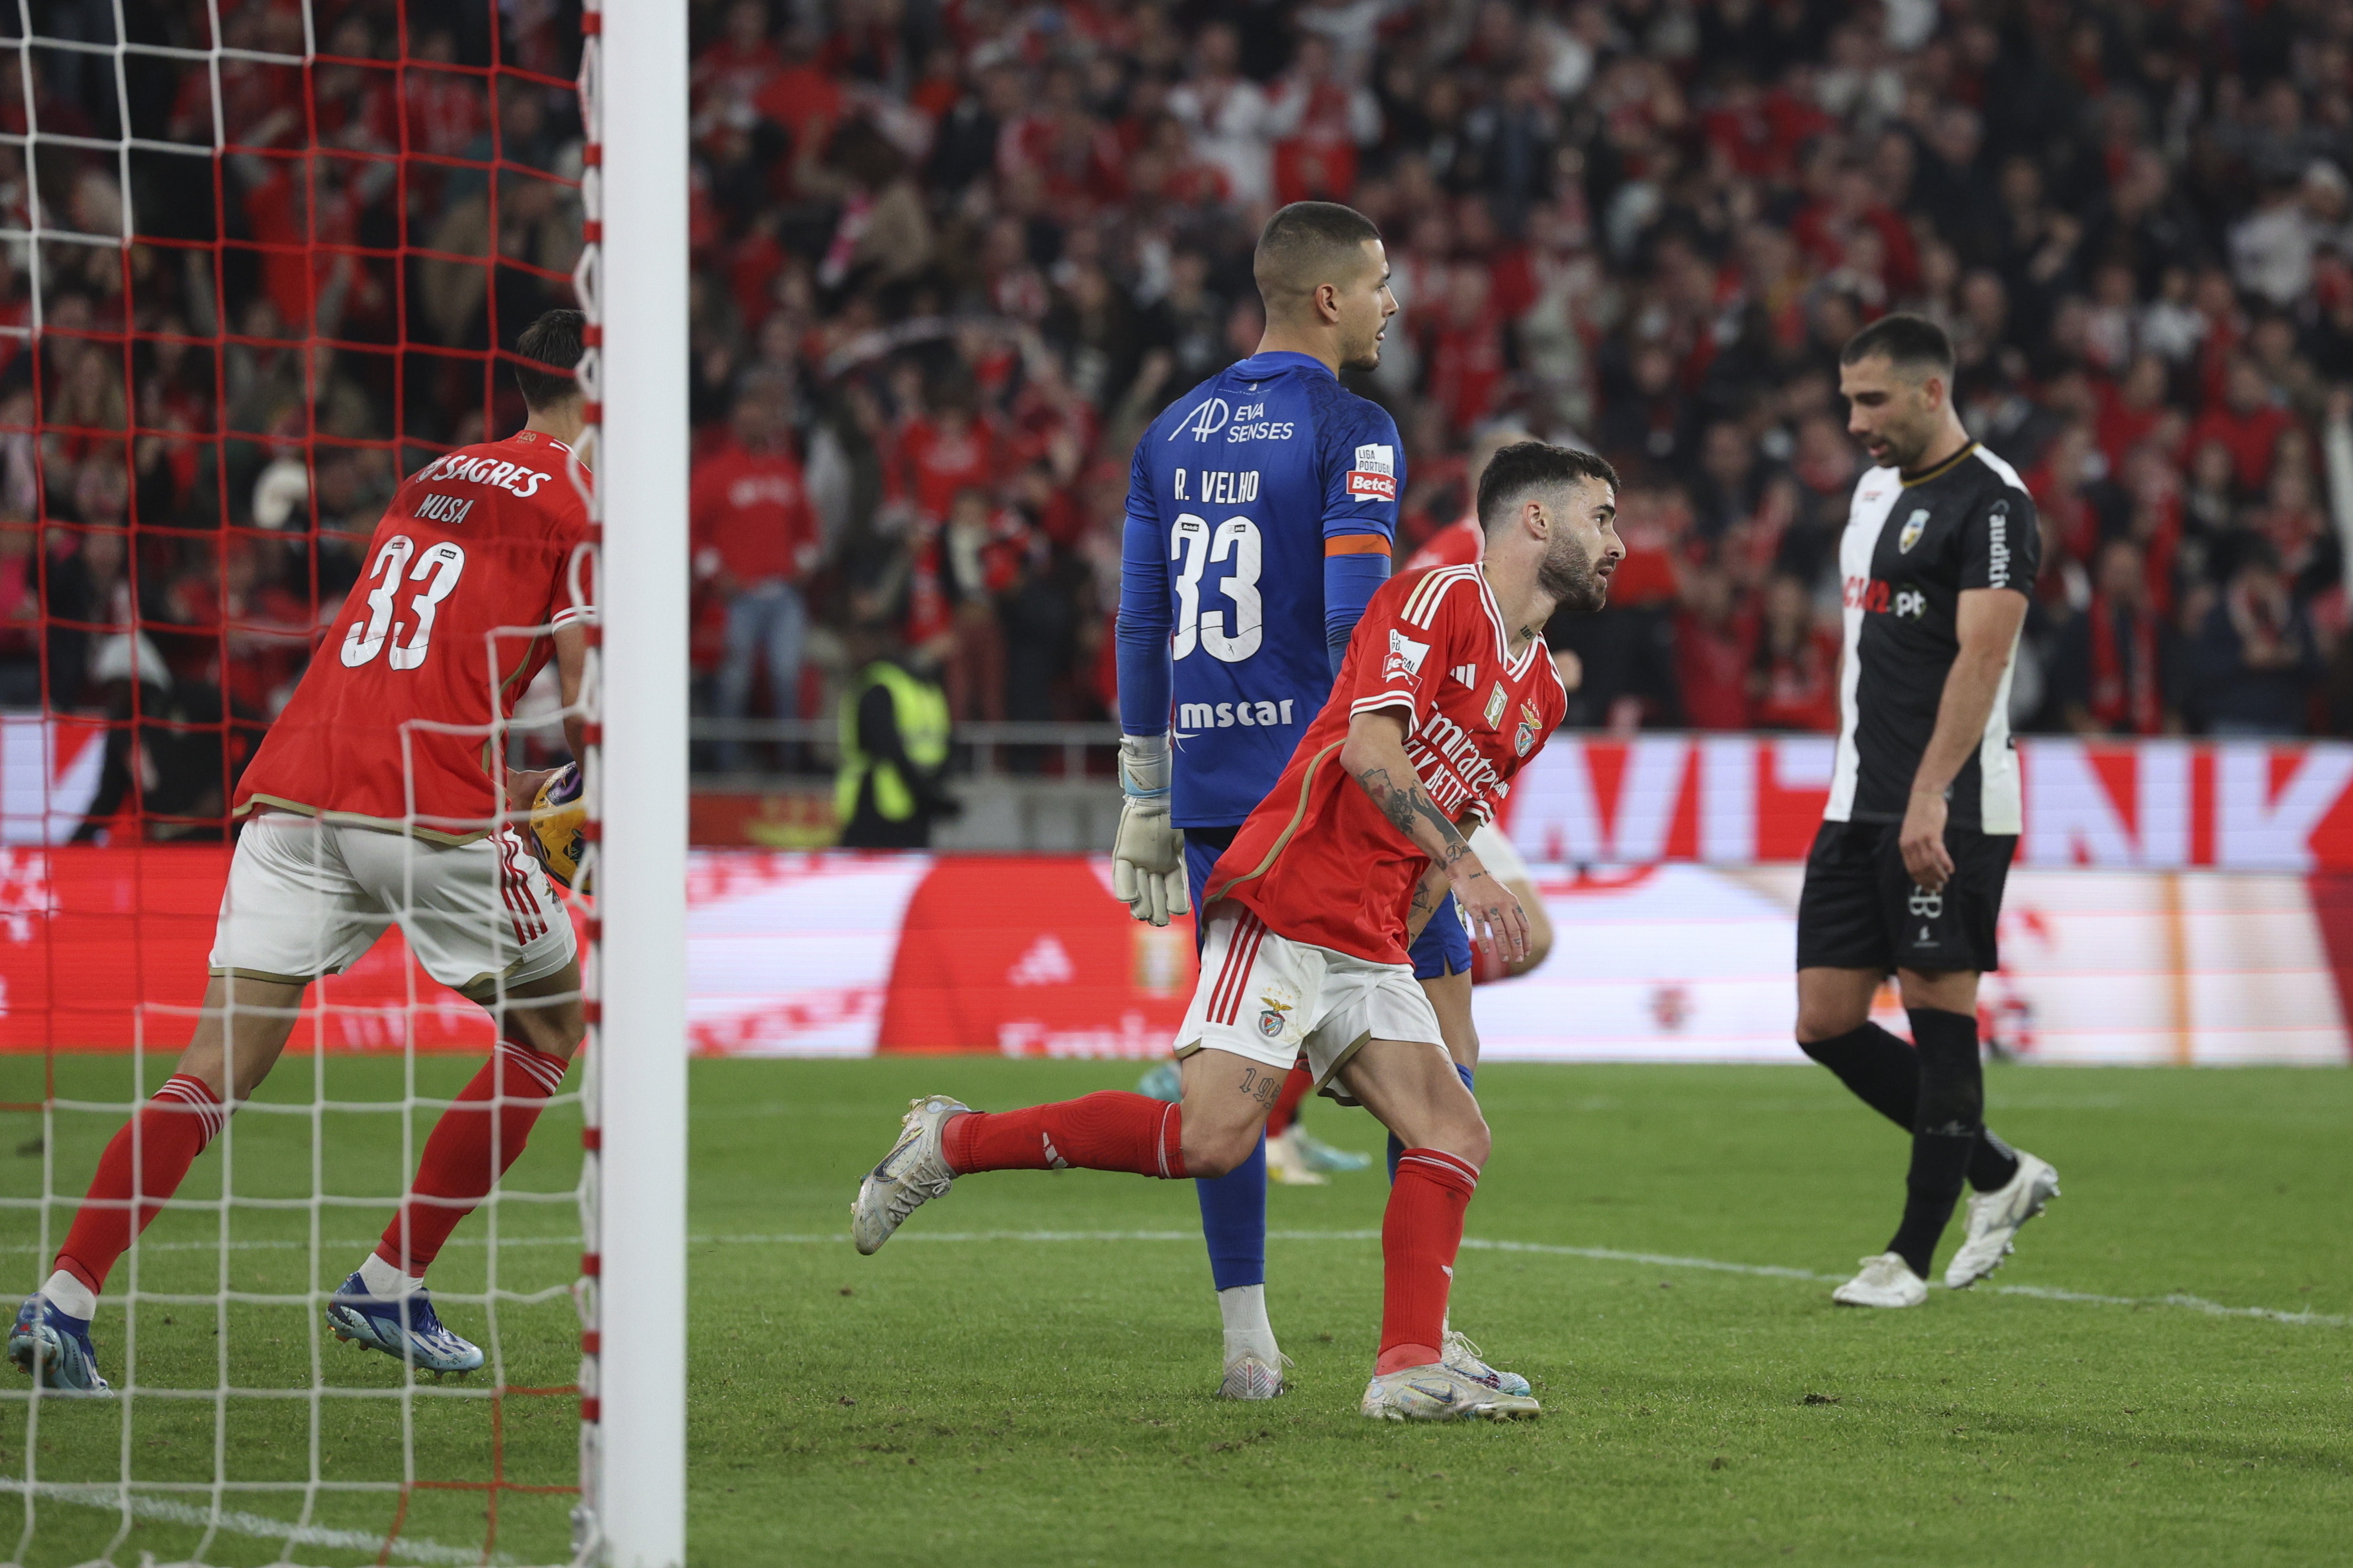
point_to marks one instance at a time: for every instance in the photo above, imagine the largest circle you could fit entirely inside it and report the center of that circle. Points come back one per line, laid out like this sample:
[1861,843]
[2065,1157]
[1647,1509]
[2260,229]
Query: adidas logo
[1047,963]
[1467,674]
[1054,1161]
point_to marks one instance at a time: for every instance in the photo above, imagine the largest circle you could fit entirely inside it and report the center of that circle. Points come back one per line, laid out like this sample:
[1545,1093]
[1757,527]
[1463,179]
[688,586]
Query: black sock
[1883,1071]
[1884,1074]
[1992,1163]
[1946,1129]
[1930,1190]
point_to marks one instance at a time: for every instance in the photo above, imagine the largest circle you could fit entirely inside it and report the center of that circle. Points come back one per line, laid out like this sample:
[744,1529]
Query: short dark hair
[552,342]
[1908,341]
[1526,466]
[1305,245]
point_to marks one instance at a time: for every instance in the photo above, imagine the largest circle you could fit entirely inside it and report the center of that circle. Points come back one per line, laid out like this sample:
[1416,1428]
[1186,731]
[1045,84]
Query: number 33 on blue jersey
[1262,506]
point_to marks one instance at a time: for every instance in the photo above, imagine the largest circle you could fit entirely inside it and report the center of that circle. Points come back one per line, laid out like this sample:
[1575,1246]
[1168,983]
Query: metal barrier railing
[981,745]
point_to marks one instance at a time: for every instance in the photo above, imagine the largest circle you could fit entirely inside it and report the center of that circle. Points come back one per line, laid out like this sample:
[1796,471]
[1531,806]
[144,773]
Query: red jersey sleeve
[1400,647]
[572,595]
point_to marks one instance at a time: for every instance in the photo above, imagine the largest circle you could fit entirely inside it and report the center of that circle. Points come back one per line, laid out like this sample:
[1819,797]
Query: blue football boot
[56,1349]
[403,1327]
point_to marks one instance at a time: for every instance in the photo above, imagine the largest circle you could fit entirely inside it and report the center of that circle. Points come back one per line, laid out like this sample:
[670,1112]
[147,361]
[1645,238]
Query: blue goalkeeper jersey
[1261,509]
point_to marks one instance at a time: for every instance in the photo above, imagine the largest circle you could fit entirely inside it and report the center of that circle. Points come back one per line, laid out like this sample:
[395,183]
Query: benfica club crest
[1531,726]
[1913,526]
[1270,1018]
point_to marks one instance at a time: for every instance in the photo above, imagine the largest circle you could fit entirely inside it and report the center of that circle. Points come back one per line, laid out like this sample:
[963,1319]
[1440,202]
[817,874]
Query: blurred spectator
[754,539]
[2245,422]
[961,568]
[1793,681]
[2115,669]
[174,753]
[2255,662]
[1713,644]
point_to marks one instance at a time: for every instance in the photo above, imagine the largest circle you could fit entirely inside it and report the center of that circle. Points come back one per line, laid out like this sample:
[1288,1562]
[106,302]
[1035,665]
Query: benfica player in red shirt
[1460,543]
[377,798]
[1445,694]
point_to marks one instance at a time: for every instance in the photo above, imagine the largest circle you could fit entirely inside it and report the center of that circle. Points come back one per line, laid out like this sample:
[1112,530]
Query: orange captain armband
[1356,544]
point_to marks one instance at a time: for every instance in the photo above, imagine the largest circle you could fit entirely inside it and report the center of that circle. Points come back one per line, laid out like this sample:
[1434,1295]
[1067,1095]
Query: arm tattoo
[1402,806]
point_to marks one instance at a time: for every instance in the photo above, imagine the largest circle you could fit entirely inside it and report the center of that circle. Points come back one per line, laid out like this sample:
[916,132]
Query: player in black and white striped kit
[1938,560]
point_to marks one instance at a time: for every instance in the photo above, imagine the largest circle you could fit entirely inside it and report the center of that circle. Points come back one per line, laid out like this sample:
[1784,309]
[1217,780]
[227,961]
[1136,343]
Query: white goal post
[634,75]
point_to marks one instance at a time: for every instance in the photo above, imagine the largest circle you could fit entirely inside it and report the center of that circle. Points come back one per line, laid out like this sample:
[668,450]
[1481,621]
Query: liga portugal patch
[1374,475]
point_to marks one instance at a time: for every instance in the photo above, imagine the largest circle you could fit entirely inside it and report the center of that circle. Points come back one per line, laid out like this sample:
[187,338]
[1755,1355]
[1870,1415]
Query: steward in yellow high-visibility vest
[894,751]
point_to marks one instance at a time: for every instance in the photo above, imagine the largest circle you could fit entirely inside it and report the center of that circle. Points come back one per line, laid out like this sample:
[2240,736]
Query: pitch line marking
[237,1521]
[1477,1244]
[1602,1254]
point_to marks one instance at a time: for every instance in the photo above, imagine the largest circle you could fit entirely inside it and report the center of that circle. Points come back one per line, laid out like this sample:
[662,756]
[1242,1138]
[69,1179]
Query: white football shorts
[307,898]
[1273,1000]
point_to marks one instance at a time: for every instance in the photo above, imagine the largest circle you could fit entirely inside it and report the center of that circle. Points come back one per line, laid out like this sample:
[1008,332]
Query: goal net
[258,262]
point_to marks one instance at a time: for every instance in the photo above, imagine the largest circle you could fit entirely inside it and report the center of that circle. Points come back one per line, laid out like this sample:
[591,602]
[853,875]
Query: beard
[1567,576]
[1906,448]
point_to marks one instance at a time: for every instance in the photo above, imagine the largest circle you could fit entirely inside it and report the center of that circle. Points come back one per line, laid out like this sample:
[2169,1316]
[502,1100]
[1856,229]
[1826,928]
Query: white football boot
[1886,1281]
[912,1175]
[1442,1393]
[1462,1356]
[1286,1164]
[1996,1218]
[1249,1375]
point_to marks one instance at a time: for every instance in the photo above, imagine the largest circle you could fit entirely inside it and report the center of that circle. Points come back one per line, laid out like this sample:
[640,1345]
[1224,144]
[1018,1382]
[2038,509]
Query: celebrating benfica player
[1445,694]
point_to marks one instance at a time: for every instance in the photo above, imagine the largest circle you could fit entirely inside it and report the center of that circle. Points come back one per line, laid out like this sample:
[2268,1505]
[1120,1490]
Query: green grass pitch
[1027,1400]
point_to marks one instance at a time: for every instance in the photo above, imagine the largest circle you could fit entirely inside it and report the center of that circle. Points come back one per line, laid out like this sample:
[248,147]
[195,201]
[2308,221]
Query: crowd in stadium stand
[950,256]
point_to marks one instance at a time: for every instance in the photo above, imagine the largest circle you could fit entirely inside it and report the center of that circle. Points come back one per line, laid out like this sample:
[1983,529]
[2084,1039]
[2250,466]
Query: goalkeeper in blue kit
[1261,513]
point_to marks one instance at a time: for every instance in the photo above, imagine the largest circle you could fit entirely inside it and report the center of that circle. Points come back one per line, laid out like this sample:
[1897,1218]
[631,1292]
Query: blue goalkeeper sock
[1397,1147]
[1233,1221]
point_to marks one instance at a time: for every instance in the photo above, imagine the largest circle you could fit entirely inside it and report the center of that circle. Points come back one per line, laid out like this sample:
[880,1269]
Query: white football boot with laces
[1442,1393]
[1886,1281]
[1996,1218]
[1464,1357]
[1249,1375]
[912,1175]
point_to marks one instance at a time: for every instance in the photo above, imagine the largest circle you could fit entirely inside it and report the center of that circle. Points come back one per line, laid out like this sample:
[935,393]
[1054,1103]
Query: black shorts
[1861,910]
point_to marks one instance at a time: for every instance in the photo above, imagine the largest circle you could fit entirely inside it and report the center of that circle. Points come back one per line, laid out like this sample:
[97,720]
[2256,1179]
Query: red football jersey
[470,569]
[1317,862]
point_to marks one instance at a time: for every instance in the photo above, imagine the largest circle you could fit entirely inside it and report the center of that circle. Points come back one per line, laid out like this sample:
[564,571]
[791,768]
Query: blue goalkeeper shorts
[1203,846]
[1443,947]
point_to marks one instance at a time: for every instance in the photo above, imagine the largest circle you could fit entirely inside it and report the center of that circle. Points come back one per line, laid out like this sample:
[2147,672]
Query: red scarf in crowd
[2124,692]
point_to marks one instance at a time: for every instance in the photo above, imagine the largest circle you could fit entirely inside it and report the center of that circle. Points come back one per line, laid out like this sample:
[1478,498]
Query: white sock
[70,1296]
[385,1282]
[1244,1309]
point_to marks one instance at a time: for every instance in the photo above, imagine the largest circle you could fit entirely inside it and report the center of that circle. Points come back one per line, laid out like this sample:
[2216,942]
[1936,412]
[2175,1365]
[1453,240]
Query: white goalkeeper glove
[1148,857]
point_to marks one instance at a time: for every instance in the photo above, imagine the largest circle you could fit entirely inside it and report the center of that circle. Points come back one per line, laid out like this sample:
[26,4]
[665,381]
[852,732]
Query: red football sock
[1286,1103]
[1420,1234]
[163,1140]
[458,1167]
[1104,1131]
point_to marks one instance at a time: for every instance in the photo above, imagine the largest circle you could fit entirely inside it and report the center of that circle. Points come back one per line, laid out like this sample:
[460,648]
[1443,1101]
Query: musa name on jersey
[471,567]
[1911,547]
[1317,862]
[1239,494]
